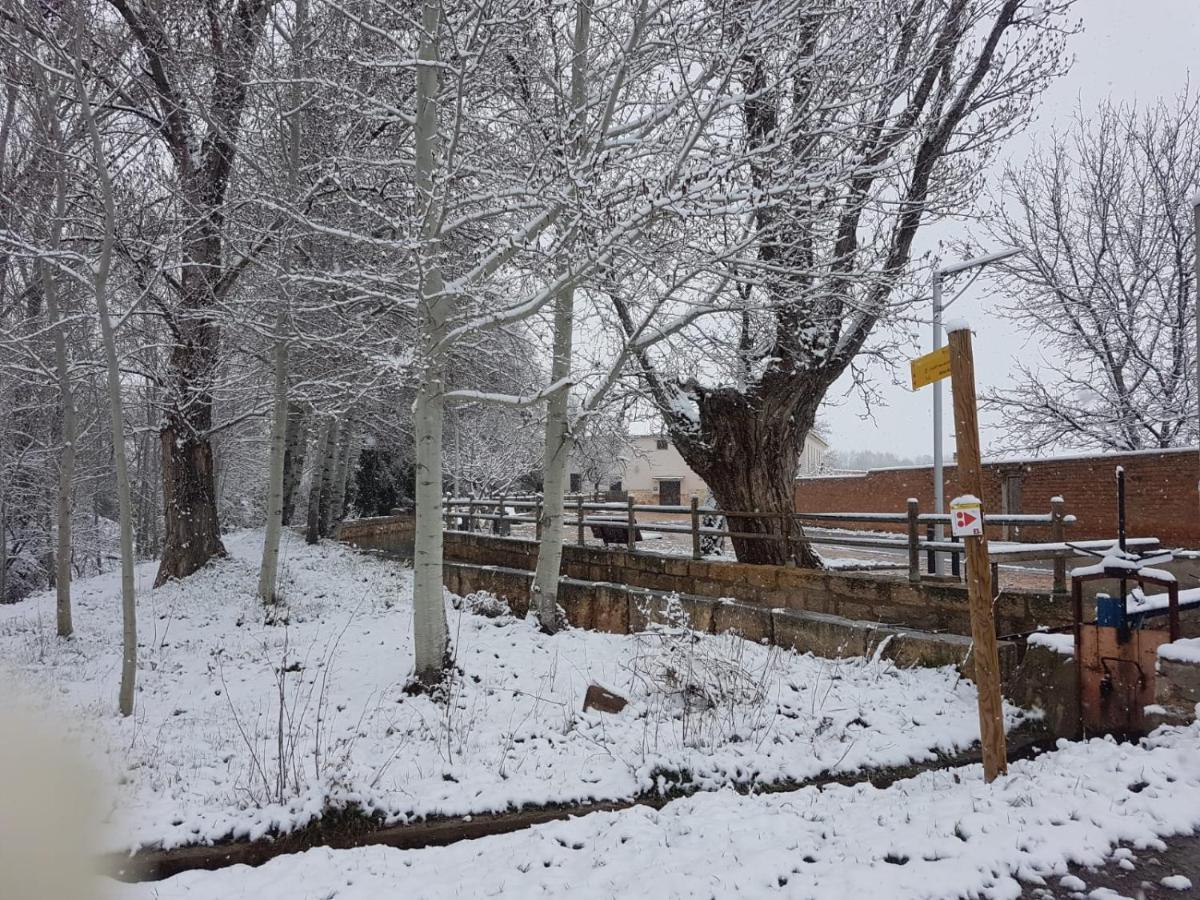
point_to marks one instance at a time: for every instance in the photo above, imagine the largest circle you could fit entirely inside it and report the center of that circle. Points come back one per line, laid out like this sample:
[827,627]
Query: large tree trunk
[192,533]
[747,453]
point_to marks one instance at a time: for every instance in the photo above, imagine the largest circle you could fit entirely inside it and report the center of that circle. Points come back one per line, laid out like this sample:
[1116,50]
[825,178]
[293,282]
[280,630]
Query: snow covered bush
[707,684]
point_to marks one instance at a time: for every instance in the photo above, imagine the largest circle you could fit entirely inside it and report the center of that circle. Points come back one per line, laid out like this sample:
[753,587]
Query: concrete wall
[1160,487]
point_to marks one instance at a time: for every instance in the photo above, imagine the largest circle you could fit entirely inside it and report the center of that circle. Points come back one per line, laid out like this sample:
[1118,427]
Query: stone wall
[392,535]
[621,609]
[1161,493]
[860,596]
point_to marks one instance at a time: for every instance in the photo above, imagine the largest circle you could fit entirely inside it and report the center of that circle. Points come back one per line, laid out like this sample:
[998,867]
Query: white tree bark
[322,453]
[345,454]
[429,610]
[116,407]
[49,286]
[558,439]
[269,569]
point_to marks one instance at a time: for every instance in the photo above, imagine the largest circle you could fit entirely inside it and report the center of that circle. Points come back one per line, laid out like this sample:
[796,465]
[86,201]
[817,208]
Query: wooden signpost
[968,523]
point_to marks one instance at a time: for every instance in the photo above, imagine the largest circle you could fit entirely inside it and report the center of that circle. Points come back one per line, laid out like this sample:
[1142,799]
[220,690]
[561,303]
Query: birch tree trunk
[269,569]
[349,439]
[555,465]
[320,457]
[429,610]
[329,477]
[558,439]
[293,459]
[49,286]
[116,407]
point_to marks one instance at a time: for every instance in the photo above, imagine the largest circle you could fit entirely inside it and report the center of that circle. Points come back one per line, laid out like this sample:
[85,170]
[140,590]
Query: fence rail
[616,523]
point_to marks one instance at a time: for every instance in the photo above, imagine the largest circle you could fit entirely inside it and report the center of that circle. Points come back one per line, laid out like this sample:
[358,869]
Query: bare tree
[861,123]
[1104,287]
[200,125]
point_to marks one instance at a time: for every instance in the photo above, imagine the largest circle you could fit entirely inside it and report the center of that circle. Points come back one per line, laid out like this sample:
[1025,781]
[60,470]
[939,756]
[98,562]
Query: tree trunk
[192,536]
[329,477]
[321,453]
[66,465]
[293,459]
[274,527]
[116,407]
[429,609]
[557,458]
[747,454]
[49,285]
[349,440]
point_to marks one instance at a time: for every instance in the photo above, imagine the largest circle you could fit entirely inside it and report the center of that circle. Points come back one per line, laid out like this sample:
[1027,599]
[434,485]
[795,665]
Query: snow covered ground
[243,727]
[943,834]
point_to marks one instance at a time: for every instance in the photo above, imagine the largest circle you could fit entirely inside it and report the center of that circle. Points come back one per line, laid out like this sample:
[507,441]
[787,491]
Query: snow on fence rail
[617,522]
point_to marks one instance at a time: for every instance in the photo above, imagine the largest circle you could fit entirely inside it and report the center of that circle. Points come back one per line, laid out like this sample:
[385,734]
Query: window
[576,482]
[662,444]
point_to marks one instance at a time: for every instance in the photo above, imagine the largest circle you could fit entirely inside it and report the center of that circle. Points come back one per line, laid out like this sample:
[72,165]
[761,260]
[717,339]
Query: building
[651,469]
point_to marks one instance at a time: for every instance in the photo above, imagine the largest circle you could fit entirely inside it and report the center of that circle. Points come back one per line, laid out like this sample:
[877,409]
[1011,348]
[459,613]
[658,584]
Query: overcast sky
[1130,50]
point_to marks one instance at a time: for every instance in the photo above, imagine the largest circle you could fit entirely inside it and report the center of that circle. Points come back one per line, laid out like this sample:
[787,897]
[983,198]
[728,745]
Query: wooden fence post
[448,511]
[1057,535]
[579,518]
[500,530]
[630,527]
[470,512]
[914,542]
[979,580]
[695,528]
[537,512]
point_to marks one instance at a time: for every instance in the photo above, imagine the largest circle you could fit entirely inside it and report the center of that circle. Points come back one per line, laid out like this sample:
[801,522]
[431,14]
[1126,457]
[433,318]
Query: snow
[1140,602]
[1177,882]
[199,759]
[941,834]
[959,324]
[1059,643]
[1184,650]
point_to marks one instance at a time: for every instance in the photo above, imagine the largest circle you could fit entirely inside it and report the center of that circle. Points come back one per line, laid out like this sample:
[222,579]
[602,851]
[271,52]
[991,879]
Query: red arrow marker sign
[966,517]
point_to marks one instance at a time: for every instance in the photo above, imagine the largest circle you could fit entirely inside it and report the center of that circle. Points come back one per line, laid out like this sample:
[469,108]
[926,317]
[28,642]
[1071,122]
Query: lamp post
[939,500]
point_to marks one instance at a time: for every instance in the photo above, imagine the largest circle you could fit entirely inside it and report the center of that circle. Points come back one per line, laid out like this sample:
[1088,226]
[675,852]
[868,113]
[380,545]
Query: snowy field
[242,728]
[943,834]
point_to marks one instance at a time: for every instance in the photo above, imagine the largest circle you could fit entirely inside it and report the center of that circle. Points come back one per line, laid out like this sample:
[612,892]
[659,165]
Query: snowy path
[201,760]
[940,835]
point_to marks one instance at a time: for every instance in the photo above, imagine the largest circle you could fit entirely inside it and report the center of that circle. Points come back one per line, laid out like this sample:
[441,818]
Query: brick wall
[1161,494]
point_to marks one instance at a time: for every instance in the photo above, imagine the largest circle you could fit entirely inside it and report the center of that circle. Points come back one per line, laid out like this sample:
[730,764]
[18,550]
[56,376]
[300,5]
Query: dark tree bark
[293,459]
[203,163]
[747,451]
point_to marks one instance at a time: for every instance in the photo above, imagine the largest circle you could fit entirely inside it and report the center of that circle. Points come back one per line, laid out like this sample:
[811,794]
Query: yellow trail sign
[931,367]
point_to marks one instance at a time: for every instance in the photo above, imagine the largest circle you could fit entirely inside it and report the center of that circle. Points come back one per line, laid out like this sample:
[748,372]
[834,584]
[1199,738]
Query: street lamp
[939,504]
